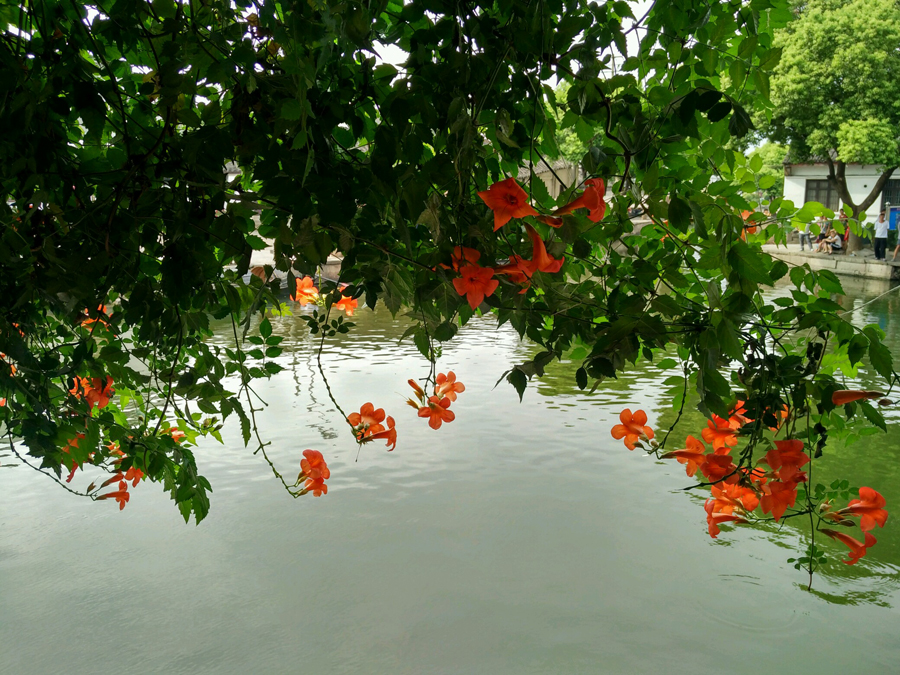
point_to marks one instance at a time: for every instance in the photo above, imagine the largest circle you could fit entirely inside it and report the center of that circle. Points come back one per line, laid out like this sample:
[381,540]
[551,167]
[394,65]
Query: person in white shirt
[881,233]
[833,242]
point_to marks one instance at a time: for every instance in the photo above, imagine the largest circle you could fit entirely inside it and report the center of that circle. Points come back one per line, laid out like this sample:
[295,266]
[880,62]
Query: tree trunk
[837,178]
[855,242]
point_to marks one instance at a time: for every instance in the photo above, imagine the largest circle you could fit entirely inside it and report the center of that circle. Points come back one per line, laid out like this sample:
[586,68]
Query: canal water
[520,538]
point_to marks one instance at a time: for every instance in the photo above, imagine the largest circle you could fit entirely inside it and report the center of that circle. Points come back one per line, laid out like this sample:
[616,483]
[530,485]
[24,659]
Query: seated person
[834,242]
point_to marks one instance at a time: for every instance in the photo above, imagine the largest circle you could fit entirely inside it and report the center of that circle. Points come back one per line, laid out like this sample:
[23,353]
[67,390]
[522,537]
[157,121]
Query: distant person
[843,220]
[804,236]
[833,242]
[881,233]
[824,226]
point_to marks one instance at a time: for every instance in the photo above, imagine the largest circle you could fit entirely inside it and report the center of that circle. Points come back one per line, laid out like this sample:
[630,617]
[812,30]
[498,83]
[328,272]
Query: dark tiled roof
[792,157]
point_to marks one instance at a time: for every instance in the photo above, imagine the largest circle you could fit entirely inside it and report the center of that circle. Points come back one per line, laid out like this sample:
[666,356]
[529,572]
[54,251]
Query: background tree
[835,94]
[771,169]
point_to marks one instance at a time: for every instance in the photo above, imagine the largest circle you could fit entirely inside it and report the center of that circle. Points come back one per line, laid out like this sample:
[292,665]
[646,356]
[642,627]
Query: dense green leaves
[149,148]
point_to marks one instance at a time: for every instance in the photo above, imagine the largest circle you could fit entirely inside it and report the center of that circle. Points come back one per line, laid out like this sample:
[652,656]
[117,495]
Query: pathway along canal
[521,538]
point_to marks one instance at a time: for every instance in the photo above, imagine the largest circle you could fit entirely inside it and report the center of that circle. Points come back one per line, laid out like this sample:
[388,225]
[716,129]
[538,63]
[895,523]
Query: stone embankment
[858,264]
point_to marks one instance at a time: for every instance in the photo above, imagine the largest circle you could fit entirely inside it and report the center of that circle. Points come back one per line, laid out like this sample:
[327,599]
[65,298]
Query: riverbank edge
[841,264]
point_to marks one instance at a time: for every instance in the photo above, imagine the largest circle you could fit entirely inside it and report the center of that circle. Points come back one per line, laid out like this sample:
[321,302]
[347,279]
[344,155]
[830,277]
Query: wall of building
[860,179]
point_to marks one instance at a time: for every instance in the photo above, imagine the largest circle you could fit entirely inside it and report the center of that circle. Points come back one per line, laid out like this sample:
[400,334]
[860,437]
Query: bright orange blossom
[632,428]
[507,200]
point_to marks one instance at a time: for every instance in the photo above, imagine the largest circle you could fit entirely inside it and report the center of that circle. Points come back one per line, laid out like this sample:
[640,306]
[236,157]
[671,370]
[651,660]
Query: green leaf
[856,348]
[756,163]
[829,282]
[256,243]
[881,359]
[420,338]
[873,415]
[581,379]
[292,110]
[446,331]
[265,328]
[749,263]
[519,380]
[679,213]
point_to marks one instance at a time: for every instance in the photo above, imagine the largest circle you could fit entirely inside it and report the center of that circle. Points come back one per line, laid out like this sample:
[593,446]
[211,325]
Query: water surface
[521,538]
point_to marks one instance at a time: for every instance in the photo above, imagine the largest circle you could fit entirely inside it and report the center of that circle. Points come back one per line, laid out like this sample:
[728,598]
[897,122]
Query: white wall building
[809,183]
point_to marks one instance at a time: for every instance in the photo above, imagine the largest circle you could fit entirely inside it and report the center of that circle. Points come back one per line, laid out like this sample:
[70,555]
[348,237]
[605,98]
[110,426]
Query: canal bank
[860,264]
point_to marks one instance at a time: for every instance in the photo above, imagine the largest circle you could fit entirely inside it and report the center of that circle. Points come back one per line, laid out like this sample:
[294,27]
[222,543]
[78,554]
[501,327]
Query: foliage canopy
[120,116]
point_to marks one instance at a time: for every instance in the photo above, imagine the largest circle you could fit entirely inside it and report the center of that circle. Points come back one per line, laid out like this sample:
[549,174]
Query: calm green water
[521,538]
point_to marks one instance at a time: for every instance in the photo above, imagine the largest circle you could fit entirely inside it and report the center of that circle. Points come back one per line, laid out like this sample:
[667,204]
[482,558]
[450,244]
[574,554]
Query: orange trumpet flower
[731,497]
[121,495]
[738,416]
[389,435]
[475,283]
[720,434]
[73,442]
[437,411]
[693,456]
[719,467]
[541,261]
[316,486]
[591,199]
[305,291]
[177,434]
[313,465]
[101,310]
[857,548]
[349,305]
[135,475]
[462,256]
[507,200]
[869,507]
[714,518]
[96,391]
[777,497]
[551,221]
[633,428]
[446,385]
[845,396]
[367,421]
[786,459]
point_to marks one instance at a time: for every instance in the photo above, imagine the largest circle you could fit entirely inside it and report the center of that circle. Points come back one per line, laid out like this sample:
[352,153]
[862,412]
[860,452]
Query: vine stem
[39,470]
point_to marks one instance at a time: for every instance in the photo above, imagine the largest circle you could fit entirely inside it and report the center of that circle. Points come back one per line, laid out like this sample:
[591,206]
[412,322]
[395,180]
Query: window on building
[891,194]
[822,192]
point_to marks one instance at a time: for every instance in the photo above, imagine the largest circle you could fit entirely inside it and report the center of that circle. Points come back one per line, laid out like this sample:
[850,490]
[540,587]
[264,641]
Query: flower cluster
[437,406]
[102,314]
[306,292]
[771,485]
[367,425]
[508,200]
[97,391]
[315,472]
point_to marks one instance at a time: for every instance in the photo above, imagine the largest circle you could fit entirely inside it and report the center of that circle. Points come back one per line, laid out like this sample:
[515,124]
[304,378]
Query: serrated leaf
[873,415]
[420,338]
[749,263]
[679,213]
[518,380]
[265,328]
[881,359]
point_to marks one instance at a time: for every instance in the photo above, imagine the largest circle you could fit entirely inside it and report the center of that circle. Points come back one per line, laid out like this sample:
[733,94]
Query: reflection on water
[518,539]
